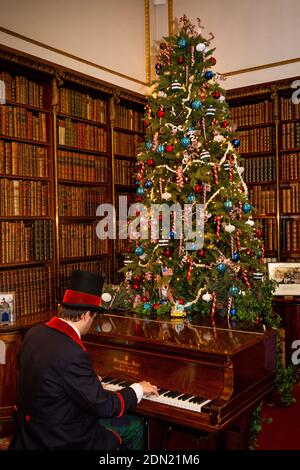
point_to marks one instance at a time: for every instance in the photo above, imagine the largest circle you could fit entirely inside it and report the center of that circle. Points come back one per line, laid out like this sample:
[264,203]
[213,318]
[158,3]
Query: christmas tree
[190,161]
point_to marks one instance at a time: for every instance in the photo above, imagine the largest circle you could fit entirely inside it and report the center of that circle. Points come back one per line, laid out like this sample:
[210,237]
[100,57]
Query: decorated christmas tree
[197,247]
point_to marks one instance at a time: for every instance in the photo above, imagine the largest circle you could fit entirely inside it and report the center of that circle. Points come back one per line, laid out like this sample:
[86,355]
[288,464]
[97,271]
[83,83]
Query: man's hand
[148,388]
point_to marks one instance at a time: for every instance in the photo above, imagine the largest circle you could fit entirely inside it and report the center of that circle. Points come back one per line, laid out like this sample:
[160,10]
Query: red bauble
[136,286]
[180,60]
[156,306]
[259,233]
[128,249]
[139,177]
[144,299]
[150,162]
[225,124]
[216,94]
[169,148]
[168,253]
[163,45]
[139,198]
[198,188]
[160,113]
[181,301]
[213,61]
[146,123]
[201,253]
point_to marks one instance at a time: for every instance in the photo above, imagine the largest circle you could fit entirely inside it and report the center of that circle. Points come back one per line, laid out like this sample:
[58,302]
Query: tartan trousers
[130,428]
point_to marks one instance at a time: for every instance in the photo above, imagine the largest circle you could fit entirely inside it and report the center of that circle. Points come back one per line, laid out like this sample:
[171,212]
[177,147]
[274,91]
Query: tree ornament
[201,253]
[236,143]
[258,276]
[228,205]
[191,198]
[198,188]
[204,155]
[158,67]
[225,124]
[247,208]
[207,297]
[259,232]
[139,250]
[168,253]
[140,191]
[234,290]
[211,111]
[250,222]
[200,47]
[213,61]
[147,306]
[175,86]
[179,177]
[235,256]
[259,254]
[139,198]
[169,148]
[166,196]
[208,74]
[182,43]
[233,311]
[180,60]
[160,113]
[163,301]
[216,94]
[106,297]
[148,184]
[197,104]
[163,45]
[221,268]
[160,148]
[150,162]
[229,228]
[148,145]
[185,142]
[136,286]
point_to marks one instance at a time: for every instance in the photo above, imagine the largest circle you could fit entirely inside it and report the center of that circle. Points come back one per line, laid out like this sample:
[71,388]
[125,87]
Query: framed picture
[7,303]
[288,277]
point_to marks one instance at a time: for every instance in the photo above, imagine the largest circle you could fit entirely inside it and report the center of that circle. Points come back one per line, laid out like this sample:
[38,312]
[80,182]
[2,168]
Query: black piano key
[122,383]
[185,396]
[115,381]
[106,379]
[161,391]
[197,400]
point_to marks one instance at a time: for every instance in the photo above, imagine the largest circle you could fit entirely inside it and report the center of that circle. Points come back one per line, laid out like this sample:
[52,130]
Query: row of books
[250,114]
[290,166]
[33,288]
[22,90]
[257,140]
[269,227]
[81,135]
[24,198]
[77,201]
[81,105]
[288,109]
[22,242]
[75,166]
[259,169]
[22,123]
[290,201]
[19,159]
[124,171]
[129,118]
[80,239]
[290,235]
[102,267]
[263,199]
[127,144]
[290,135]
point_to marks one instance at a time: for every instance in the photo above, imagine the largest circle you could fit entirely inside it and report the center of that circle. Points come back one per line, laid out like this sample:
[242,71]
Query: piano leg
[235,437]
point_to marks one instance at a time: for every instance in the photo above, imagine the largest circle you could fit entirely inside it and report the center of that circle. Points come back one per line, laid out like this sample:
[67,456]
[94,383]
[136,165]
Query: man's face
[88,320]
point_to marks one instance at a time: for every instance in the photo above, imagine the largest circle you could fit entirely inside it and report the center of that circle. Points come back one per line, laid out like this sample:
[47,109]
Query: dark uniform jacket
[59,396]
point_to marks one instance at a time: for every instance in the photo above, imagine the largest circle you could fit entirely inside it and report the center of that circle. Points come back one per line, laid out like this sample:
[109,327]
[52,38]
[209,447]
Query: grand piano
[210,375]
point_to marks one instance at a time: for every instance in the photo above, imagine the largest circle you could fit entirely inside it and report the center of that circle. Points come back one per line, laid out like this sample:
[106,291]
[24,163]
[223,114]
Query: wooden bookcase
[269,130]
[67,144]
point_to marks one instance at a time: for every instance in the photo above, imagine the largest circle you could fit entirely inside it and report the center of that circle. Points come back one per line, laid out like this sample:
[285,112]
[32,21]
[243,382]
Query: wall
[249,33]
[109,34]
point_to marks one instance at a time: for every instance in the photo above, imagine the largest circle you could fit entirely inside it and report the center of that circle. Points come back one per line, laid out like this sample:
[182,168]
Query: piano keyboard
[166,397]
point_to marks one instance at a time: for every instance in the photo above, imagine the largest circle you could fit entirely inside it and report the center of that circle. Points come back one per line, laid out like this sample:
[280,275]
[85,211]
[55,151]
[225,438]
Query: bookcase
[68,143]
[268,123]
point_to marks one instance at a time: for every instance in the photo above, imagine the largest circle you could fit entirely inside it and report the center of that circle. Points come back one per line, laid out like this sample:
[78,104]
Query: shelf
[25,263]
[128,187]
[79,119]
[76,149]
[128,131]
[25,217]
[264,216]
[83,258]
[82,183]
[258,153]
[290,181]
[25,141]
[255,126]
[286,121]
[125,157]
[27,106]
[290,215]
[292,150]
[260,183]
[80,218]
[31,178]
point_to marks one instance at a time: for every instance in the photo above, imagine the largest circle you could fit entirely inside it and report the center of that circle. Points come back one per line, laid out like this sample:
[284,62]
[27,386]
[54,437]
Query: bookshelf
[68,143]
[269,129]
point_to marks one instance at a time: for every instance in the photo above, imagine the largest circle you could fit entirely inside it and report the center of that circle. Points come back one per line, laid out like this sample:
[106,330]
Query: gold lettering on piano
[125,364]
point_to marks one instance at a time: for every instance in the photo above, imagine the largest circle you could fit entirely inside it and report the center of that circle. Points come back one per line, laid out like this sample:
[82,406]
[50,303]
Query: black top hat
[84,291]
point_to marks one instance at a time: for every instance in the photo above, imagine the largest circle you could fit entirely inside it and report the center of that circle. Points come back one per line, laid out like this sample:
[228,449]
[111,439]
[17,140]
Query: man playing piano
[61,403]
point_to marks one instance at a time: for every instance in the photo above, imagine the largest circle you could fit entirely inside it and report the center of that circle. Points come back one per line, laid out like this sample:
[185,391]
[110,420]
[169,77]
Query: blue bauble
[233,311]
[191,198]
[234,290]
[147,305]
[235,256]
[163,301]
[208,74]
[259,254]
[236,142]
[193,247]
[191,129]
[172,234]
[247,208]
[182,43]
[140,191]
[139,251]
[185,142]
[160,148]
[148,184]
[137,183]
[228,205]
[148,145]
[197,104]
[221,268]
[158,66]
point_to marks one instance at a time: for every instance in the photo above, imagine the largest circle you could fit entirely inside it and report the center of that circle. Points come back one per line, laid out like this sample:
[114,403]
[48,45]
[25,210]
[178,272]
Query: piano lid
[224,337]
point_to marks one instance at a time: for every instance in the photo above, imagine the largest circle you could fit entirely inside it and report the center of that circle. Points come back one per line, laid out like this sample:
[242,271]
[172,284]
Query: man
[61,403]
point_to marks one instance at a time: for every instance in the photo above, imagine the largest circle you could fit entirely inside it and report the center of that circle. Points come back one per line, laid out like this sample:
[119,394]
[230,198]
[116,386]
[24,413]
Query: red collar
[59,325]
